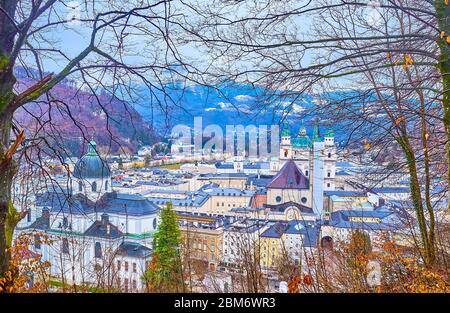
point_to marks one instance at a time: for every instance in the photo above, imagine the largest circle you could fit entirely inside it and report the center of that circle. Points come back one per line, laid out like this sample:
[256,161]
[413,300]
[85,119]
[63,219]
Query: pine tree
[165,271]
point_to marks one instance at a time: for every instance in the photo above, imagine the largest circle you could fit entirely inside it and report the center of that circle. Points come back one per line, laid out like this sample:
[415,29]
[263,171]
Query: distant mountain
[124,127]
[229,104]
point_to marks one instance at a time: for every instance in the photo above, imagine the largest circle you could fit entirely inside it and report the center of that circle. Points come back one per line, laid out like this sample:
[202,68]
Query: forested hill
[76,114]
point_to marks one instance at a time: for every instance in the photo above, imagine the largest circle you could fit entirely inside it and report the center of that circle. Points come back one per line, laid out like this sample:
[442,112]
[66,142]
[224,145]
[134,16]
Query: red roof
[289,177]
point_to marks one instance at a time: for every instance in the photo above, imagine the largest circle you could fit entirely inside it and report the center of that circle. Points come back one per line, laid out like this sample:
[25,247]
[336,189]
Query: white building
[98,237]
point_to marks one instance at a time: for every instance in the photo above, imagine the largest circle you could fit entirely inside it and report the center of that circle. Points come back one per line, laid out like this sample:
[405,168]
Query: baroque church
[306,151]
[98,236]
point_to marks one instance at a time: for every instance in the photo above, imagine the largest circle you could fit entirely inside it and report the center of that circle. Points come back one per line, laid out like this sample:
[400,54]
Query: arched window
[329,174]
[94,187]
[65,246]
[65,222]
[80,186]
[329,154]
[306,173]
[106,185]
[326,243]
[98,250]
[154,223]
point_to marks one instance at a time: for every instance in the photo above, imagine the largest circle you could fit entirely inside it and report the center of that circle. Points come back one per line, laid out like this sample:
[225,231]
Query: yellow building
[202,238]
[345,200]
[272,244]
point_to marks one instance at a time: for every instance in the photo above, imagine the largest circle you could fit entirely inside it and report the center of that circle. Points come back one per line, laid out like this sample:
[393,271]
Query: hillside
[75,115]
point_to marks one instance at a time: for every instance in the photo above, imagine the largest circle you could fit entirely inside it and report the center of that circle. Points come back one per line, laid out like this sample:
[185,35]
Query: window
[98,250]
[134,267]
[126,283]
[80,186]
[94,187]
[328,185]
[134,284]
[329,154]
[126,266]
[329,174]
[304,200]
[155,223]
[278,199]
[37,242]
[306,173]
[118,265]
[65,246]
[65,222]
[106,185]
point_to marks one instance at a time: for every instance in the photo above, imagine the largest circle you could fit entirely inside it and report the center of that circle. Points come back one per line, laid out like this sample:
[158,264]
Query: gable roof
[289,177]
[98,229]
[134,250]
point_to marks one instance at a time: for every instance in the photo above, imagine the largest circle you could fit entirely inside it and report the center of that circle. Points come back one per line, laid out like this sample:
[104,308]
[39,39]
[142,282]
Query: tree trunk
[443,16]
[7,171]
[416,196]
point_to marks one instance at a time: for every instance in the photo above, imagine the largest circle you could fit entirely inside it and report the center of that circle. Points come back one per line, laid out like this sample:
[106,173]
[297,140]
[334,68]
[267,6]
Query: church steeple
[316,134]
[285,131]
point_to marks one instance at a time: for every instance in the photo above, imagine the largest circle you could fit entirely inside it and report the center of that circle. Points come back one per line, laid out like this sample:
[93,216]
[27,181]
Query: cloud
[243,98]
[210,109]
[226,106]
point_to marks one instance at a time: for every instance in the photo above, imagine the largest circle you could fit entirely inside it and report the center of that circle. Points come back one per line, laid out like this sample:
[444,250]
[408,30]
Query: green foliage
[147,159]
[165,272]
[360,243]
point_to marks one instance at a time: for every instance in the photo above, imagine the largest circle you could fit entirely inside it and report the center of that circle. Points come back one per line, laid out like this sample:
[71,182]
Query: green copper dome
[329,133]
[91,165]
[285,132]
[302,142]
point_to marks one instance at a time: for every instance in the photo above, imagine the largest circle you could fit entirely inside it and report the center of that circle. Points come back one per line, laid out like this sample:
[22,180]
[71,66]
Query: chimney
[105,219]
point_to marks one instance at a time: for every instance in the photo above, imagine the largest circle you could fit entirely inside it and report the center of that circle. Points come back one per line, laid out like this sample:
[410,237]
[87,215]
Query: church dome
[91,165]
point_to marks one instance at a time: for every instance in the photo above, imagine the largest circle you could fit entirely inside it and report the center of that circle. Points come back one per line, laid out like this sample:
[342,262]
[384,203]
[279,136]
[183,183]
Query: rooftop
[289,177]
